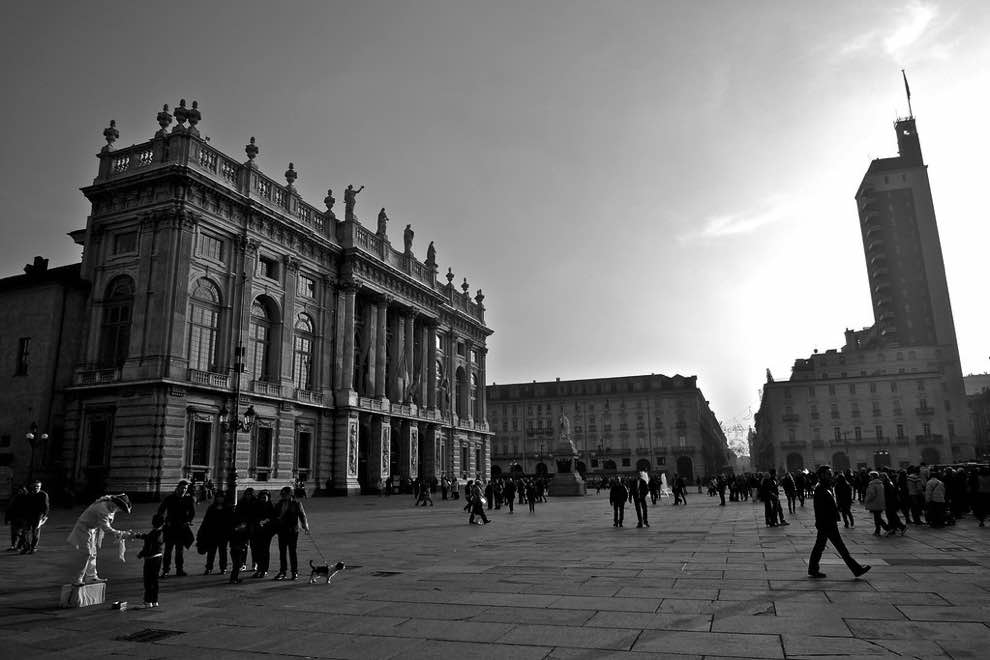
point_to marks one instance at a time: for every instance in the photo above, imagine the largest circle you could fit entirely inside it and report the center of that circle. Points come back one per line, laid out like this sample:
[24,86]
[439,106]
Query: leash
[317,546]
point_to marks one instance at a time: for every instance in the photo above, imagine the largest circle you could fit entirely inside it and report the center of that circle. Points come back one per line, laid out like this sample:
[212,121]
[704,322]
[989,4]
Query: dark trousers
[287,541]
[935,514]
[509,501]
[211,554]
[172,545]
[832,536]
[152,566]
[893,521]
[917,505]
[261,551]
[238,555]
[879,523]
[477,510]
[642,515]
[618,513]
[847,516]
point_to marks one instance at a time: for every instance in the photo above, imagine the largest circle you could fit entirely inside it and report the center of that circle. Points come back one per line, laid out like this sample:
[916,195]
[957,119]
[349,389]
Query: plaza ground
[703,581]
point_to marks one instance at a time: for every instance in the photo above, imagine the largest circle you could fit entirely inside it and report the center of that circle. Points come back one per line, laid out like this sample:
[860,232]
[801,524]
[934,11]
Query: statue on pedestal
[407,238]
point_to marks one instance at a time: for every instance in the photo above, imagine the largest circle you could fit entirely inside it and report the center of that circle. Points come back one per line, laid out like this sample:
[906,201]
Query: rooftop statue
[350,199]
[407,238]
[382,222]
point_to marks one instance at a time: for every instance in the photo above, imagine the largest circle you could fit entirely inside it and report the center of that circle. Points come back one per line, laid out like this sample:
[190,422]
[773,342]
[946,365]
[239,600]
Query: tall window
[879,432]
[24,356]
[303,448]
[202,433]
[475,397]
[115,328]
[261,342]
[204,322]
[263,448]
[302,359]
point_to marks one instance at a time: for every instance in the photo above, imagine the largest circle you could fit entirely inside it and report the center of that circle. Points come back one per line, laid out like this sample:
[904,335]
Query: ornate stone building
[894,394]
[230,324]
[653,423]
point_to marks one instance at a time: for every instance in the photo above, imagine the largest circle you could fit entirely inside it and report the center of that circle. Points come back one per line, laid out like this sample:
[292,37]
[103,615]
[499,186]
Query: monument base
[83,595]
[567,484]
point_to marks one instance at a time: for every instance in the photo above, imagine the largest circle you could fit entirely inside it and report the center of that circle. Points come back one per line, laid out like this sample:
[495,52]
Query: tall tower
[903,253]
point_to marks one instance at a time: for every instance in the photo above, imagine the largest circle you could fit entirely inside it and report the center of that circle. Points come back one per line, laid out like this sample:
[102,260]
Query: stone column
[289,325]
[423,393]
[325,343]
[430,343]
[409,359]
[366,382]
[396,359]
[344,357]
[345,464]
[430,456]
[454,390]
[379,458]
[408,450]
[379,347]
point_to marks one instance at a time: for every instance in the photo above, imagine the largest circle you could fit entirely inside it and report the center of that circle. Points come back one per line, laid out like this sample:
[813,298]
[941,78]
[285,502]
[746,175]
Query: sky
[637,187]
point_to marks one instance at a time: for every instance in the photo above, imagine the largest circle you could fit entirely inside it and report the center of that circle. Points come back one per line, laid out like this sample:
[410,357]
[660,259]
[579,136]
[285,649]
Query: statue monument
[566,482]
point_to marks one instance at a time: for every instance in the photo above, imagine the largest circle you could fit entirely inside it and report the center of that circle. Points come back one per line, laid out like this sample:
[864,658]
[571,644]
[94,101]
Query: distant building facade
[978,393]
[894,394]
[618,425]
[211,291]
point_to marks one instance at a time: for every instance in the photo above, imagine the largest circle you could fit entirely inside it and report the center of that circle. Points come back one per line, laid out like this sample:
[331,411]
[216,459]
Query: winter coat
[874,499]
[915,486]
[617,495]
[890,497]
[935,491]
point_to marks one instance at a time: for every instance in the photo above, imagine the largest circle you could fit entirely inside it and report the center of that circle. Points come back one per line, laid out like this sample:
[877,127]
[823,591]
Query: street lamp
[230,423]
[34,438]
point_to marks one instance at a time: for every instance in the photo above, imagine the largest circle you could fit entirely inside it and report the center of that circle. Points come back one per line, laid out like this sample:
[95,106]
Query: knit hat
[122,501]
[874,473]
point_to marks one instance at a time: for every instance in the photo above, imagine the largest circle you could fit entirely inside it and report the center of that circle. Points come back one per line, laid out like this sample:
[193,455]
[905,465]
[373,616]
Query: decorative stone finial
[110,134]
[194,116]
[450,276]
[465,286]
[291,175]
[164,119]
[479,297]
[181,114]
[251,149]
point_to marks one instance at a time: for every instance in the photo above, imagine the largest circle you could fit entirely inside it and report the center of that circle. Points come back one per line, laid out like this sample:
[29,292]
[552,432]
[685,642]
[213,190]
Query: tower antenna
[907,89]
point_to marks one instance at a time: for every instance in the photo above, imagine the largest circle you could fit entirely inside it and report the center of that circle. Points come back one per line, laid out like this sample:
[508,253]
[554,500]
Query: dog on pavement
[319,570]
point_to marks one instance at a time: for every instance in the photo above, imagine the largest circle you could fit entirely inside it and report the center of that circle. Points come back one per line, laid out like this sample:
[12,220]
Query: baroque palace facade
[233,332]
[894,394]
[617,425]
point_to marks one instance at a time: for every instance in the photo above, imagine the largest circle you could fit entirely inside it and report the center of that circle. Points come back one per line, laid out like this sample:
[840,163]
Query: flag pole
[907,89]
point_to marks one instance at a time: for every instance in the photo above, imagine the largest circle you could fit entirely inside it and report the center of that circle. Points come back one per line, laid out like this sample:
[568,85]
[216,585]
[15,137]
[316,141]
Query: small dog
[324,569]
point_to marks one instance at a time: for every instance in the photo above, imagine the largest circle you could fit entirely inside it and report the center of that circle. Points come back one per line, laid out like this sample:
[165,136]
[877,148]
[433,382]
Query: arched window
[261,342]
[204,323]
[302,359]
[115,327]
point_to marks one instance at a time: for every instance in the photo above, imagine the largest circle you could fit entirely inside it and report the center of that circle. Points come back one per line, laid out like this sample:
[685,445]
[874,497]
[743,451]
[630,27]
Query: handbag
[483,501]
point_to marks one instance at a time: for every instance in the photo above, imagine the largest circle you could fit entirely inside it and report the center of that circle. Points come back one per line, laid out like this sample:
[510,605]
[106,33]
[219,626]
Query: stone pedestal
[567,482]
[83,595]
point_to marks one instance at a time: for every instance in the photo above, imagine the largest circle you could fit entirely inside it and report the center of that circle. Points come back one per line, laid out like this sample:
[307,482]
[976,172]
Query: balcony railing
[308,396]
[924,412]
[791,418]
[266,387]
[932,439]
[209,378]
[97,376]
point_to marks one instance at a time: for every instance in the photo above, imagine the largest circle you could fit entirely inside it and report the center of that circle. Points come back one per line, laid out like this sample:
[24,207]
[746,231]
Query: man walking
[179,510]
[641,490]
[289,516]
[36,508]
[827,524]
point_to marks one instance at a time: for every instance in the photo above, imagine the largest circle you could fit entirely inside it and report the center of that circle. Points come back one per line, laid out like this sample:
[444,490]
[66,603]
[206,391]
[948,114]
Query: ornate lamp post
[34,439]
[230,423]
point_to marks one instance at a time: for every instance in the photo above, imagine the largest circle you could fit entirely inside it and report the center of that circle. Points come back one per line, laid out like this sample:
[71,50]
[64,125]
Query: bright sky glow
[637,186]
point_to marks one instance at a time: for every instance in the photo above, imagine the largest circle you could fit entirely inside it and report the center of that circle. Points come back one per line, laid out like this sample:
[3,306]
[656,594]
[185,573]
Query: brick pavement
[703,582]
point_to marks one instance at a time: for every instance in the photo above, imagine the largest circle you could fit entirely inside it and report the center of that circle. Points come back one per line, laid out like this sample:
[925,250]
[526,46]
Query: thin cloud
[735,224]
[917,21]
[919,18]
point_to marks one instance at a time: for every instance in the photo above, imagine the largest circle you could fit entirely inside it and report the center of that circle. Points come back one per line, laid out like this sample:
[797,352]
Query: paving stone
[733,644]
[572,636]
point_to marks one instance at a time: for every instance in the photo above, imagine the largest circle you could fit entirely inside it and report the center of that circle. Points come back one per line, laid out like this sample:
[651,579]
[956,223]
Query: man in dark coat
[36,509]
[640,491]
[179,510]
[827,524]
